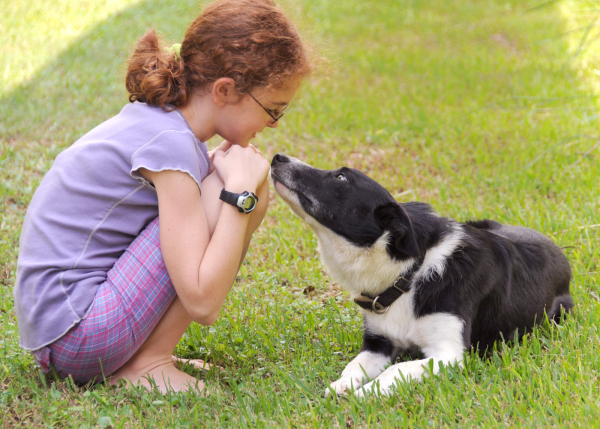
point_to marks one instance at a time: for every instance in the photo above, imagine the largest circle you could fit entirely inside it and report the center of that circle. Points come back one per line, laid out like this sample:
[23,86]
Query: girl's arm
[203,268]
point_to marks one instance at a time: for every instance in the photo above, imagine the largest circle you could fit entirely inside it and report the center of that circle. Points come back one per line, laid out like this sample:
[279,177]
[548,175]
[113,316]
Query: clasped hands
[240,168]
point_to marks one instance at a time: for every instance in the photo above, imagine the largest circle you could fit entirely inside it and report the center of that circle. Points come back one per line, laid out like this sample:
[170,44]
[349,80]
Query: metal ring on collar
[378,308]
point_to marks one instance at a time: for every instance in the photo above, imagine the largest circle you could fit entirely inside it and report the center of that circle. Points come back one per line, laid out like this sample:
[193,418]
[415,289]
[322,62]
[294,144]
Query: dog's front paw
[366,390]
[374,388]
[343,385]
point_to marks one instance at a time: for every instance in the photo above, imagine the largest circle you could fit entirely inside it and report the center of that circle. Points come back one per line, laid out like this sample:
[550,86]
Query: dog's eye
[341,177]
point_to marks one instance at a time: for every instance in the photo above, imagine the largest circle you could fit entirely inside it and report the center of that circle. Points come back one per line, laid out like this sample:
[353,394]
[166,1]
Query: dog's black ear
[403,242]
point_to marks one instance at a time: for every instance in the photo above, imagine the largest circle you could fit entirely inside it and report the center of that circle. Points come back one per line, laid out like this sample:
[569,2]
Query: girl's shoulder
[139,122]
[136,126]
[140,136]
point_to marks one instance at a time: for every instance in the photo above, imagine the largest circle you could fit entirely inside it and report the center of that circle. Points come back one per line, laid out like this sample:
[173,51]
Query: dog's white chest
[406,331]
[399,323]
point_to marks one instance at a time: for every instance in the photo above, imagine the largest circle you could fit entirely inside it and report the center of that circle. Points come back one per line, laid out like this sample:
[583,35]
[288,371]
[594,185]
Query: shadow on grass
[84,85]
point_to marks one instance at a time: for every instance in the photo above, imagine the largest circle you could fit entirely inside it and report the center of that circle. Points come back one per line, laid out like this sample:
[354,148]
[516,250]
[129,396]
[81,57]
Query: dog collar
[382,302]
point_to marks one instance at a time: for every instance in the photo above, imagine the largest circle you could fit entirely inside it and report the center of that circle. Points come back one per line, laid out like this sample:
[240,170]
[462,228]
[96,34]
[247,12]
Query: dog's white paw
[361,393]
[368,389]
[376,388]
[343,385]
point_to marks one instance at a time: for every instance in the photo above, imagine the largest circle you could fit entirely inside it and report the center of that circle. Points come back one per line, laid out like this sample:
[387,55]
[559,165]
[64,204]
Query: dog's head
[347,203]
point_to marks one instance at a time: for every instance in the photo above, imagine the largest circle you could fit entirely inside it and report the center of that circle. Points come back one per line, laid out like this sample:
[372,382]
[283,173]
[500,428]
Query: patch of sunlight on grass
[33,32]
[582,18]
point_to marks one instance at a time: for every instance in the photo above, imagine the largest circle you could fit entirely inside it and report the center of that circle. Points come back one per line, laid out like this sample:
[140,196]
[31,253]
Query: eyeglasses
[272,113]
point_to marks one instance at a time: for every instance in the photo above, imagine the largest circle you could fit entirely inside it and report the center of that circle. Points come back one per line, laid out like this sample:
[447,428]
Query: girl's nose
[273,124]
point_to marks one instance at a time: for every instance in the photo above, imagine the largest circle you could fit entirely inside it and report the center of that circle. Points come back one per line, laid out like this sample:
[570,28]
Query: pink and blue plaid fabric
[126,308]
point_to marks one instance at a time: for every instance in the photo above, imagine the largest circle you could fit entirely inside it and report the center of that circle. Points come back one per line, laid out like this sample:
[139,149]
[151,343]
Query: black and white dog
[426,283]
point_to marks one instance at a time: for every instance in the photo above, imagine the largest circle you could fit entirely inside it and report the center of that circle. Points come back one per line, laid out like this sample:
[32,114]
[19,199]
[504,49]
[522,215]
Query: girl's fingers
[241,163]
[225,145]
[257,150]
[218,154]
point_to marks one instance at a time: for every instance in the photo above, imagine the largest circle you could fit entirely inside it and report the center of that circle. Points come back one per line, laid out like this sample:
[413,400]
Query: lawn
[479,108]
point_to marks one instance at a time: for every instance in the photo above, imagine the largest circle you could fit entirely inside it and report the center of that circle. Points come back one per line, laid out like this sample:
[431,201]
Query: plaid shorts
[125,310]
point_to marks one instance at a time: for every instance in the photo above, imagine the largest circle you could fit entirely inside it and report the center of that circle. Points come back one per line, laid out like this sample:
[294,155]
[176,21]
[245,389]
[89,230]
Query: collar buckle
[395,285]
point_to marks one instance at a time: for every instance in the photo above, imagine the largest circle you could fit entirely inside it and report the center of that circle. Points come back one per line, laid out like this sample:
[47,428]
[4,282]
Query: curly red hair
[252,42]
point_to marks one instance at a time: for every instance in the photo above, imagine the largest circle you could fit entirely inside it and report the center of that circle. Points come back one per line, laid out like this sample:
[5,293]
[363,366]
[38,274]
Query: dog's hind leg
[560,302]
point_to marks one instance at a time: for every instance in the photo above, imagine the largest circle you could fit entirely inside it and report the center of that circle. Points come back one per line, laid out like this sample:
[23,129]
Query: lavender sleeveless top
[89,208]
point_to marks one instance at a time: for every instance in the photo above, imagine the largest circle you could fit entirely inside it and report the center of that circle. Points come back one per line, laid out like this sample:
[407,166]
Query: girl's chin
[245,142]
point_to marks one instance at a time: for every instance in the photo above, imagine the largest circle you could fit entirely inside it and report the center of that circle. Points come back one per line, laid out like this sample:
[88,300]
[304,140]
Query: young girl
[103,289]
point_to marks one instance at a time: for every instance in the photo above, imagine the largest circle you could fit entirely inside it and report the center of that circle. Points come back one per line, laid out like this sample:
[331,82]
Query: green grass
[480,108]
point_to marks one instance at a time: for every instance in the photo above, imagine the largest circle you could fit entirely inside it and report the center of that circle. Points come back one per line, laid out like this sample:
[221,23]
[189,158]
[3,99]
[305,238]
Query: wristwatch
[245,202]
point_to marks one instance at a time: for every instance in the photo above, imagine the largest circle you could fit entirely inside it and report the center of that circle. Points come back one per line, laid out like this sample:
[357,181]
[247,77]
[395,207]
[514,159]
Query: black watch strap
[229,198]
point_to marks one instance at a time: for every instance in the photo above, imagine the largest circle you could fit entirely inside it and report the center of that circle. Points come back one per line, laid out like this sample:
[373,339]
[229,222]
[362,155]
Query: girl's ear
[223,91]
[393,218]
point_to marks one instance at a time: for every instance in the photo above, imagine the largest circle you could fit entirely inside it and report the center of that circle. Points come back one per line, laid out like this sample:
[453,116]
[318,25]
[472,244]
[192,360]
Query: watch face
[248,203]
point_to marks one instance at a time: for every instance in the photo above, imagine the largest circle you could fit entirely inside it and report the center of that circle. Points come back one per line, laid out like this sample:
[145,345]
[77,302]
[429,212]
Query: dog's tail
[484,224]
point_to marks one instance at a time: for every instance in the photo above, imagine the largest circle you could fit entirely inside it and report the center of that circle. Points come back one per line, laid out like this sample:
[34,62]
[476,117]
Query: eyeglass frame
[275,119]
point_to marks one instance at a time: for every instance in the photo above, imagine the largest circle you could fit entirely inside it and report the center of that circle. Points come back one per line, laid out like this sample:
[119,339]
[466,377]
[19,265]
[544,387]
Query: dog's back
[535,256]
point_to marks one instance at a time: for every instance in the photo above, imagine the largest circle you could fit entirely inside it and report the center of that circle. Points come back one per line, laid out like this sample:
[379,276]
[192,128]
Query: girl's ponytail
[155,75]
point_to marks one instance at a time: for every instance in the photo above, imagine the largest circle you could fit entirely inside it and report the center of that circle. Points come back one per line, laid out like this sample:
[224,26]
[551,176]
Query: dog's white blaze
[436,257]
[291,199]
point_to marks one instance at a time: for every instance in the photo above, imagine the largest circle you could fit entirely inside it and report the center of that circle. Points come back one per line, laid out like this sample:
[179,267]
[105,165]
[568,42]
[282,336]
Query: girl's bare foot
[196,363]
[165,376]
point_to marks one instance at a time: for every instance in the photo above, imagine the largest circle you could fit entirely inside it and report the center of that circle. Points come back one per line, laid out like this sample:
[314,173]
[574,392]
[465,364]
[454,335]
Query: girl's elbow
[205,317]
[209,320]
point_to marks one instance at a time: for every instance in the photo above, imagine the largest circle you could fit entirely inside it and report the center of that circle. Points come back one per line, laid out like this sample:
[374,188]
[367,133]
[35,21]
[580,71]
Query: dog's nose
[279,158]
